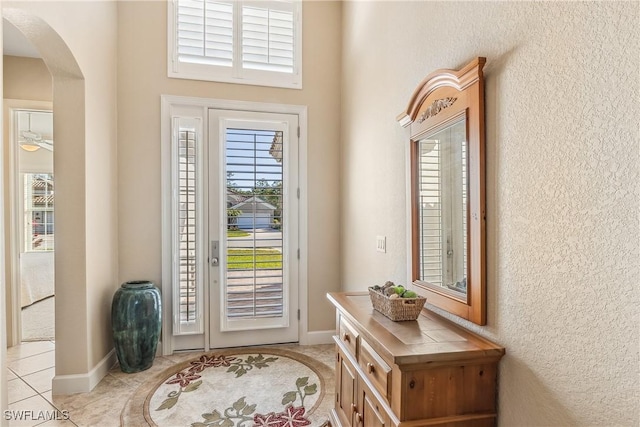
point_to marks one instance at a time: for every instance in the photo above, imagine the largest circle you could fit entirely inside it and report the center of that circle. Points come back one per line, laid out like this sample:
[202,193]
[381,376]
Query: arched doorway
[69,126]
[28,150]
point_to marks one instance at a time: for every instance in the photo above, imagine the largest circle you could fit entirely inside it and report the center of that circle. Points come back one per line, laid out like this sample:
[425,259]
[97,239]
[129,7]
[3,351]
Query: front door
[252,228]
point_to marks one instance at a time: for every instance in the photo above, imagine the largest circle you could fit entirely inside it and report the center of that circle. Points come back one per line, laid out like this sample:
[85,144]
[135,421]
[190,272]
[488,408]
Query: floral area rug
[243,388]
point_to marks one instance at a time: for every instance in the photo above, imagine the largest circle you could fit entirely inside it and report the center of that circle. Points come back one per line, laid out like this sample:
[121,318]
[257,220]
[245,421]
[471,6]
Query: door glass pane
[38,203]
[254,226]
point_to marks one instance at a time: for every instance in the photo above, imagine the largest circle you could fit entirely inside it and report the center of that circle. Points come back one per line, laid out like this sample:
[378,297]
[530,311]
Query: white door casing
[176,336]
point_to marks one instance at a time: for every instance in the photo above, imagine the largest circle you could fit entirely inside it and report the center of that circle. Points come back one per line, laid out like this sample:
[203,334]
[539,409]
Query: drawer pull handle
[370,368]
[354,408]
[346,338]
[358,417]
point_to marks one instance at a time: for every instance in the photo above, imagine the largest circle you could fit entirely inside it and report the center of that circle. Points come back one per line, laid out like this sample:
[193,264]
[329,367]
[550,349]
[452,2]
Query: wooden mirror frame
[443,97]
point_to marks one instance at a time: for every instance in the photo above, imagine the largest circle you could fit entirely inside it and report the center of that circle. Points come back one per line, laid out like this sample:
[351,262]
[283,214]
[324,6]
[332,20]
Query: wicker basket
[397,309]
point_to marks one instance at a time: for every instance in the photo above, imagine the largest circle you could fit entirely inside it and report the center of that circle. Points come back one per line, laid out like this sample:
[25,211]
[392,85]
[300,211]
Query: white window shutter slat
[267,39]
[205,32]
[188,249]
[239,41]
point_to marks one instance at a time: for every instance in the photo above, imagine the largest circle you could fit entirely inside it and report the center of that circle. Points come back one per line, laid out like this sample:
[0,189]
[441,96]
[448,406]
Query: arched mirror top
[458,80]
[445,115]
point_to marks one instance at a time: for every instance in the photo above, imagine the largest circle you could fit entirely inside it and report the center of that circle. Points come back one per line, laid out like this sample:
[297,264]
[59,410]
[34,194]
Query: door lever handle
[215,254]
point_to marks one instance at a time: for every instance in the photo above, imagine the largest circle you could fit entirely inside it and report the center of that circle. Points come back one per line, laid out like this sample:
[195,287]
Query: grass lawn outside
[237,233]
[243,259]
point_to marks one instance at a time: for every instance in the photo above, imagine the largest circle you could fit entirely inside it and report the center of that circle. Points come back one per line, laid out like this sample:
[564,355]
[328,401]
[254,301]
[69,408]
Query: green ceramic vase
[136,323]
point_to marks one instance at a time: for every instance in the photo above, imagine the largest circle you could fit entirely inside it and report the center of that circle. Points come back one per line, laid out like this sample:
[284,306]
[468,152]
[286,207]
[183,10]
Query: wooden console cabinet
[427,372]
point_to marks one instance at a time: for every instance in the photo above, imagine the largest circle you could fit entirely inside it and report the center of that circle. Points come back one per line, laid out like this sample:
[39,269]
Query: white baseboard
[84,383]
[318,337]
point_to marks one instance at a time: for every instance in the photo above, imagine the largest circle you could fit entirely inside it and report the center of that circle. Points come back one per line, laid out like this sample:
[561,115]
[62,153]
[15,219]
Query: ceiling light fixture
[29,147]
[32,141]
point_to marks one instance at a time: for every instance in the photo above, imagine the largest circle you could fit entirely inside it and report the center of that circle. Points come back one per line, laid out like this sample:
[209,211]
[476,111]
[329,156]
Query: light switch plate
[381,243]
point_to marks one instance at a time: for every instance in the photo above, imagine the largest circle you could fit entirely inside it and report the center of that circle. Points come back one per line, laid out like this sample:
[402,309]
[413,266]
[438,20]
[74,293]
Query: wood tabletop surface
[430,338]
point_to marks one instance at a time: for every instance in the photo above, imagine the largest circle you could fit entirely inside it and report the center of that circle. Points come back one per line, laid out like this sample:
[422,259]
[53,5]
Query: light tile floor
[31,367]
[30,371]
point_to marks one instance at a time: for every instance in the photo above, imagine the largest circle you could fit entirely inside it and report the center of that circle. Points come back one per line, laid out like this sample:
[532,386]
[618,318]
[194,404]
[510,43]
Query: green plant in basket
[394,291]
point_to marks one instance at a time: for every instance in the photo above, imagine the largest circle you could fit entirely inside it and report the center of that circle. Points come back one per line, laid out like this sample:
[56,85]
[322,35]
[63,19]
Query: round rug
[235,388]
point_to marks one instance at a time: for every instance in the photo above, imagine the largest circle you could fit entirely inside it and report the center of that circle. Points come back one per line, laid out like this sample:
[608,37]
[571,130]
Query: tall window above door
[245,42]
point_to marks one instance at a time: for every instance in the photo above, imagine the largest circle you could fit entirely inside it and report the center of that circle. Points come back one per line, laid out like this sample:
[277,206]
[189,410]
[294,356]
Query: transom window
[247,42]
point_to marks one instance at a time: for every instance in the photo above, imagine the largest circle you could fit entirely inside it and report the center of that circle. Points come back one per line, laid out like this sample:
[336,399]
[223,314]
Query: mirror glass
[442,208]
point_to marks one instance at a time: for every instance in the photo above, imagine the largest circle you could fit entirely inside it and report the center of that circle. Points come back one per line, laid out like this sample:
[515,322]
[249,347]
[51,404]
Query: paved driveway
[260,238]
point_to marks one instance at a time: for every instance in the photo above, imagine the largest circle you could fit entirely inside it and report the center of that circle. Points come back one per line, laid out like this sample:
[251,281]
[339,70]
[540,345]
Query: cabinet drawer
[349,336]
[376,369]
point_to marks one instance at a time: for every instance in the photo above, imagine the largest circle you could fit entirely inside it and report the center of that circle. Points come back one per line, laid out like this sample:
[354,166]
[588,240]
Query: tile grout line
[33,355]
[31,373]
[41,395]
[24,358]
[28,385]
[56,407]
[38,393]
[15,372]
[37,372]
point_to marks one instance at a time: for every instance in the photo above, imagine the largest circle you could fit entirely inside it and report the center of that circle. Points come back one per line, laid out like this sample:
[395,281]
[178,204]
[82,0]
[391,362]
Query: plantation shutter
[430,187]
[245,41]
[268,37]
[188,245]
[465,207]
[205,32]
[254,190]
[443,207]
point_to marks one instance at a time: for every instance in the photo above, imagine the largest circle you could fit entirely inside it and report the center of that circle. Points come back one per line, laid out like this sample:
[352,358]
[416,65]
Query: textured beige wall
[562,98]
[78,44]
[142,78]
[27,80]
